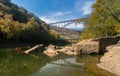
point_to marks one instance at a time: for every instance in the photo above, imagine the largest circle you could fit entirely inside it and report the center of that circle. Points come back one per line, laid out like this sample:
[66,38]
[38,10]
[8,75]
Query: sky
[52,11]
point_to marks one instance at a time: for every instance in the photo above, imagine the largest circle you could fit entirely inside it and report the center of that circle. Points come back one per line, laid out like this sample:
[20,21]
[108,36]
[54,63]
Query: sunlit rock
[111,60]
[86,47]
[95,46]
[50,51]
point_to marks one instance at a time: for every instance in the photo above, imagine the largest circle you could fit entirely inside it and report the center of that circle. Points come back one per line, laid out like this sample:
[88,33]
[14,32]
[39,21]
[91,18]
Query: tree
[17,24]
[104,20]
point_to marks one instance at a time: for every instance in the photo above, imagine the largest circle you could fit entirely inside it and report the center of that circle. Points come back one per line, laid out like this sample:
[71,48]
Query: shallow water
[15,64]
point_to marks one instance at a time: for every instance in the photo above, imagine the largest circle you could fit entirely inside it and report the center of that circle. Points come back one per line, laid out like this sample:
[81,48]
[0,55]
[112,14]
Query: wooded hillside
[19,25]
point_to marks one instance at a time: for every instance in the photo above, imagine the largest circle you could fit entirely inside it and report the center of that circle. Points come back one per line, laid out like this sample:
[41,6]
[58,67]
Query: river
[16,64]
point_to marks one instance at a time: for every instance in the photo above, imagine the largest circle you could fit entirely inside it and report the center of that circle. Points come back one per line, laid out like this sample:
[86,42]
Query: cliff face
[16,23]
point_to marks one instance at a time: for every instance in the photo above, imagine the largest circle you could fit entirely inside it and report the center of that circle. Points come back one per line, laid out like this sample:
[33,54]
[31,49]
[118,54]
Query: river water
[16,64]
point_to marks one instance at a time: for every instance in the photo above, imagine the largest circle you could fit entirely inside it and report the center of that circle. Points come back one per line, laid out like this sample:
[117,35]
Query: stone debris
[67,50]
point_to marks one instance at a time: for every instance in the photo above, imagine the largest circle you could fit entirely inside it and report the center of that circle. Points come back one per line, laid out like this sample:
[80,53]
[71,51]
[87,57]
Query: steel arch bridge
[63,24]
[61,29]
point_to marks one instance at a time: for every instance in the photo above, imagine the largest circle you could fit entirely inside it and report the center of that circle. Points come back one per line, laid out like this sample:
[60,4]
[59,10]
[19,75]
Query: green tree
[104,20]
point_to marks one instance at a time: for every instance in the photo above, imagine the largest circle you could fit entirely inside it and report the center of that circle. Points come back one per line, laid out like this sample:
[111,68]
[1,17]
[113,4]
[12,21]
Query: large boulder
[111,60]
[95,46]
[51,51]
[86,47]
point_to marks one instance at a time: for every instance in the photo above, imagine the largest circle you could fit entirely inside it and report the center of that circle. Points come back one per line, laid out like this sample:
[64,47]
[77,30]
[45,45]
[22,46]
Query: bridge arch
[64,33]
[63,24]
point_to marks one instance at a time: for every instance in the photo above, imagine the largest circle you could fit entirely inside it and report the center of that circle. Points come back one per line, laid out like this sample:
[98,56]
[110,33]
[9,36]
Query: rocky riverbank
[95,46]
[108,45]
[111,60]
[89,46]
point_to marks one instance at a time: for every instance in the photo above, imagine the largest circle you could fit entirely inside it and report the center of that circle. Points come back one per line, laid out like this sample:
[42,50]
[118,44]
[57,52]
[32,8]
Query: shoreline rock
[86,47]
[111,60]
[51,51]
[95,46]
[67,50]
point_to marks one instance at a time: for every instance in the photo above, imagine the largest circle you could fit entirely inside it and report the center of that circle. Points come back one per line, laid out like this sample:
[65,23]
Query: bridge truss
[63,24]
[63,33]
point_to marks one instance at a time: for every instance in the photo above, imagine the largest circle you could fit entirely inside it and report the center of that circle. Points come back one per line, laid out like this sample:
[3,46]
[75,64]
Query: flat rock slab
[111,60]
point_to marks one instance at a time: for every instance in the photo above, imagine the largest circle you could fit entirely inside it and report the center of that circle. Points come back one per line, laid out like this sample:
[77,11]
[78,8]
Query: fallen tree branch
[33,48]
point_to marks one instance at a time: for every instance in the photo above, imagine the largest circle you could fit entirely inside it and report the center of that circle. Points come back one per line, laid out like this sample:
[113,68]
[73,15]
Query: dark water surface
[15,64]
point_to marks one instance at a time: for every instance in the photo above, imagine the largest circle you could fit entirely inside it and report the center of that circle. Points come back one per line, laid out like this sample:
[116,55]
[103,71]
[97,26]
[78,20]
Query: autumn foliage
[104,20]
[19,25]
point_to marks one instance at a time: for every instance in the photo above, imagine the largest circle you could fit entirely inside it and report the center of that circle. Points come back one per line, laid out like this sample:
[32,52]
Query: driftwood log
[33,48]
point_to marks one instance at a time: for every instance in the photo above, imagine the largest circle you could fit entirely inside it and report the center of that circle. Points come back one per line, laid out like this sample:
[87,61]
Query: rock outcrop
[111,60]
[50,51]
[86,47]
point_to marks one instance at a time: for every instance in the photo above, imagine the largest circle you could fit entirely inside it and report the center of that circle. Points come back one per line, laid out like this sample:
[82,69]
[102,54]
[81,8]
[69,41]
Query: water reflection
[61,68]
[14,64]
[84,65]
